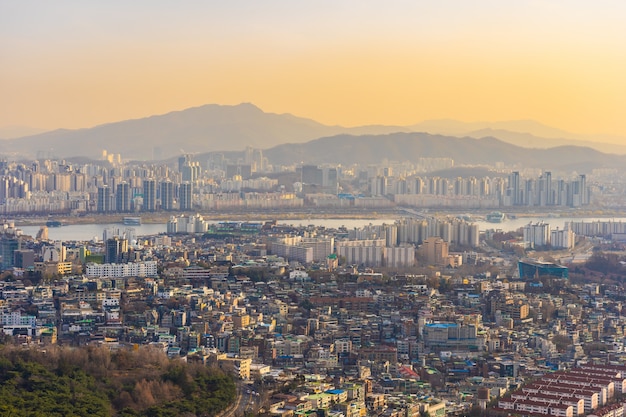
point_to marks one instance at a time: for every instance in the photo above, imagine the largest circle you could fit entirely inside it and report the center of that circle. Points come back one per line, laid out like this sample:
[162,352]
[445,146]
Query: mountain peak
[223,128]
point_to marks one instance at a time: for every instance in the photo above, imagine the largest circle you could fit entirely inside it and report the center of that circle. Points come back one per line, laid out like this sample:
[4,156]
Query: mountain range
[207,128]
[286,139]
[371,149]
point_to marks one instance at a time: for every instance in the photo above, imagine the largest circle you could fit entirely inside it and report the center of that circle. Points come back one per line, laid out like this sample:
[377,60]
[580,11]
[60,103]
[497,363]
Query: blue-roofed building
[339,395]
[535,269]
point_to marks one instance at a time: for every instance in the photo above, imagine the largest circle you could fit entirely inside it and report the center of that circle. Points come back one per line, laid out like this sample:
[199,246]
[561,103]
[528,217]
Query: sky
[76,64]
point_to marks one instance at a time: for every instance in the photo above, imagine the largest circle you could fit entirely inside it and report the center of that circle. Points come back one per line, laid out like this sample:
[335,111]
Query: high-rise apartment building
[122,198]
[103,204]
[562,239]
[514,188]
[149,194]
[185,191]
[378,186]
[167,195]
[190,171]
[435,250]
[537,234]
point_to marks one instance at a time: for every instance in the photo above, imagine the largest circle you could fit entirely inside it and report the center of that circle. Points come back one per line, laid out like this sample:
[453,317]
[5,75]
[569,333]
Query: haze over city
[72,64]
[313,209]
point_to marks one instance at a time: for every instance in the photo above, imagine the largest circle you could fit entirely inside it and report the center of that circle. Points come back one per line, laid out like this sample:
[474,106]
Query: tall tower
[378,186]
[115,250]
[4,189]
[182,160]
[584,190]
[104,199]
[418,185]
[149,194]
[185,192]
[190,171]
[8,245]
[122,198]
[548,185]
[167,195]
[514,186]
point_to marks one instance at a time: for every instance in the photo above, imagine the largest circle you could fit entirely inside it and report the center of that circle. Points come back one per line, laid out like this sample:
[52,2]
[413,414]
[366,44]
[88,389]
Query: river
[87,232]
[509,225]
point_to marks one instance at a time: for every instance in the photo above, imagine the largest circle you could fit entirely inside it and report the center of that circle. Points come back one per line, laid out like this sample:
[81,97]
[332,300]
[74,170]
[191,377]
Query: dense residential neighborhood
[312,209]
[308,326]
[432,311]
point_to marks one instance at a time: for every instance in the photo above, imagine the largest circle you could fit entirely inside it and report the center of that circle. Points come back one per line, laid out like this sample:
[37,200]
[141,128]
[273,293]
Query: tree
[306,304]
[70,382]
[547,311]
[561,342]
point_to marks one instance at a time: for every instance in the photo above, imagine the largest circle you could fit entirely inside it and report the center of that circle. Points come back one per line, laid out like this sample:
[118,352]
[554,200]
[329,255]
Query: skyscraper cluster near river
[250,182]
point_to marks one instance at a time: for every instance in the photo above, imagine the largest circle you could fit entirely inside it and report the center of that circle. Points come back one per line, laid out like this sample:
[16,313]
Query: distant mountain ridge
[526,133]
[532,141]
[11,132]
[455,127]
[370,149]
[199,129]
[218,128]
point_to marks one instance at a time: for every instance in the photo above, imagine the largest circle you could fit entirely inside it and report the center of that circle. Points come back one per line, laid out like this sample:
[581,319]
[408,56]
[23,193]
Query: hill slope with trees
[95,381]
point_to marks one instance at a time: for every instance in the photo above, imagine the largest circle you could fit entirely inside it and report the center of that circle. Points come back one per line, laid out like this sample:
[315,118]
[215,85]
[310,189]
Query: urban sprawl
[424,316]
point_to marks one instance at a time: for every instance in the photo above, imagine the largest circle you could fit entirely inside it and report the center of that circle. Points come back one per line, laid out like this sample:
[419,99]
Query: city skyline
[76,65]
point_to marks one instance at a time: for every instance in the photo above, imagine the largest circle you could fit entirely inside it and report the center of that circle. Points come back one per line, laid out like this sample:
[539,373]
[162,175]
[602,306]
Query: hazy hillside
[366,149]
[215,128]
[200,129]
[11,132]
[528,140]
[525,133]
[456,127]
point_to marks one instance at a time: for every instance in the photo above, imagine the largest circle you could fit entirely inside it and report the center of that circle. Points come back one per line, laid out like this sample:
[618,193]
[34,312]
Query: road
[244,403]
[580,254]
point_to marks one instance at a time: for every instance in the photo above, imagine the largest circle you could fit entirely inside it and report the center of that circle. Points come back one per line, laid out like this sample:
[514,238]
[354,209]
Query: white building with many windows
[135,269]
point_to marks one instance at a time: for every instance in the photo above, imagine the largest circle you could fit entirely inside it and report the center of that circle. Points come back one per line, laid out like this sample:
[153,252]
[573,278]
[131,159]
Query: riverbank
[304,214]
[162,217]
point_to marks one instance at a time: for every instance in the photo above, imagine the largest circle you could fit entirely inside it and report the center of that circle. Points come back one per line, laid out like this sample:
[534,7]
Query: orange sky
[76,64]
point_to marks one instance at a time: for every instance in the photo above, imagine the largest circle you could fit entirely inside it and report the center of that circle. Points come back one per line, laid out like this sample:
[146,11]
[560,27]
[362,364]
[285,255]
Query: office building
[115,250]
[24,258]
[312,175]
[8,245]
[536,269]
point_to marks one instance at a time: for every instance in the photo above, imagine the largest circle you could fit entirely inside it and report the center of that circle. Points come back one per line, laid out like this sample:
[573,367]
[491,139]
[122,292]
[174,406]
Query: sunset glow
[72,64]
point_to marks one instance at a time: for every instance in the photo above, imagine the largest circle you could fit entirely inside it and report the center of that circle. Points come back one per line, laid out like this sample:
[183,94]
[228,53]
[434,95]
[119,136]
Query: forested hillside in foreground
[94,381]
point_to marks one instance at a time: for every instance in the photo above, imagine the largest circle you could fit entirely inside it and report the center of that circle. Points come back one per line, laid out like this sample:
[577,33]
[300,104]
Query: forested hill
[93,381]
